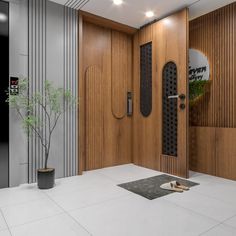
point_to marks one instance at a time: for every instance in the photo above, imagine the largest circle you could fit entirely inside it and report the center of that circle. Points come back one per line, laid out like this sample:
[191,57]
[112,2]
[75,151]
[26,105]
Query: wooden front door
[107,78]
[174,107]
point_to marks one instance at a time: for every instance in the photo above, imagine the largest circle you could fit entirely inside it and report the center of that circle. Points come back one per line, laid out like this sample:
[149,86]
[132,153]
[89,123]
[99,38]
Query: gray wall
[43,48]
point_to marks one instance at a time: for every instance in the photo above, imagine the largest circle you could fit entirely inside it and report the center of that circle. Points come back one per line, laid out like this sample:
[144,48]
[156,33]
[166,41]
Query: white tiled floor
[93,204]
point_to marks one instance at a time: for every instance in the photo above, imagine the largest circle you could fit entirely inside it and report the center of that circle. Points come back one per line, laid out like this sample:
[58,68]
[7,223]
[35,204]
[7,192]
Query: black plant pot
[46,178]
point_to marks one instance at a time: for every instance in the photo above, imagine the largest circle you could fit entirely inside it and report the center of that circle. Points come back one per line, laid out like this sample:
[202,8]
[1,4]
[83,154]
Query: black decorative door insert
[170,110]
[146,79]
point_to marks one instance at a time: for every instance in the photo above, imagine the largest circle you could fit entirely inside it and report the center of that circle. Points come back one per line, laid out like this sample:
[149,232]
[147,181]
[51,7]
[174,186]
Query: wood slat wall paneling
[226,153]
[214,34]
[213,151]
[96,53]
[81,110]
[203,150]
[94,118]
[120,73]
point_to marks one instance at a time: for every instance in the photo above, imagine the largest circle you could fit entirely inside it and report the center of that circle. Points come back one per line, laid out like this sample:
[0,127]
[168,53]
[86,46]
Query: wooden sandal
[171,187]
[179,185]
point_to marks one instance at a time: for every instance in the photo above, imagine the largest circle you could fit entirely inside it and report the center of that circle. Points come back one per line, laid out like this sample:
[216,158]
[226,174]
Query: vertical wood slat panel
[215,120]
[94,118]
[225,152]
[214,35]
[203,150]
[120,72]
[213,151]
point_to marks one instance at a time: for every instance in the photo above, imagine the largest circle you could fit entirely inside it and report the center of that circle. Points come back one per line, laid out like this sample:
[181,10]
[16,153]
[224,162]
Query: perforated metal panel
[146,79]
[169,109]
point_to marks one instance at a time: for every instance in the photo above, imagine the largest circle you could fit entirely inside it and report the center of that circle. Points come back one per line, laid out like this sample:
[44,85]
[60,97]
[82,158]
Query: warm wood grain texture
[213,151]
[94,118]
[81,110]
[116,135]
[103,22]
[215,35]
[170,43]
[174,48]
[146,146]
[121,73]
[226,153]
[203,150]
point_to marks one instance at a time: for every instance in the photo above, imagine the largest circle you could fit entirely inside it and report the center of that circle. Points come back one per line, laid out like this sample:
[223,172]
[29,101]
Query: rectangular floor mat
[150,187]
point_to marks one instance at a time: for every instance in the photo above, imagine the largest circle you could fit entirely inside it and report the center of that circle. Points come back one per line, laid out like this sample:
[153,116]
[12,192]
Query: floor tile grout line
[116,180]
[112,179]
[100,203]
[8,228]
[209,199]
[65,212]
[230,226]
[83,189]
[223,222]
[126,193]
[46,195]
[197,213]
[36,220]
[22,203]
[201,234]
[32,221]
[229,218]
[212,181]
[207,195]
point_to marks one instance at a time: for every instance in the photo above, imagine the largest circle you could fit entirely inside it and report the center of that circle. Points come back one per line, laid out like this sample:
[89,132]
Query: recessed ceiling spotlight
[117,2]
[3,17]
[149,14]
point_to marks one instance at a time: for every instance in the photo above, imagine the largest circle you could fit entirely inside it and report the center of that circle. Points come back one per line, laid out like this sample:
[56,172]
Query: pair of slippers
[174,186]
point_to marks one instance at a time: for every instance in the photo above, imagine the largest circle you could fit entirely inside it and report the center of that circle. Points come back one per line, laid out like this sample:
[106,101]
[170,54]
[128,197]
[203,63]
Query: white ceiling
[132,12]
[204,6]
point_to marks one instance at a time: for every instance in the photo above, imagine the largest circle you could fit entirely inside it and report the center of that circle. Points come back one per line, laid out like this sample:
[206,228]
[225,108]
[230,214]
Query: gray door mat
[150,187]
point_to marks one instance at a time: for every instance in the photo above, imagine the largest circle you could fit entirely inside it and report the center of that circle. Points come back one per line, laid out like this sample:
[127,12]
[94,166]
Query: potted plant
[197,89]
[53,102]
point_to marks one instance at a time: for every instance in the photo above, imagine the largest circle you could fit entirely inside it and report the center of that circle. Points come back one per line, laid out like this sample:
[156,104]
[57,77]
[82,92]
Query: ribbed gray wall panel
[53,56]
[71,82]
[76,4]
[37,74]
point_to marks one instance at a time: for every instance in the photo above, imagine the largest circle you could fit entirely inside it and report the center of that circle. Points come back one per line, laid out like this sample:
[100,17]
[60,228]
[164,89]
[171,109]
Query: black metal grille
[170,110]
[146,79]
